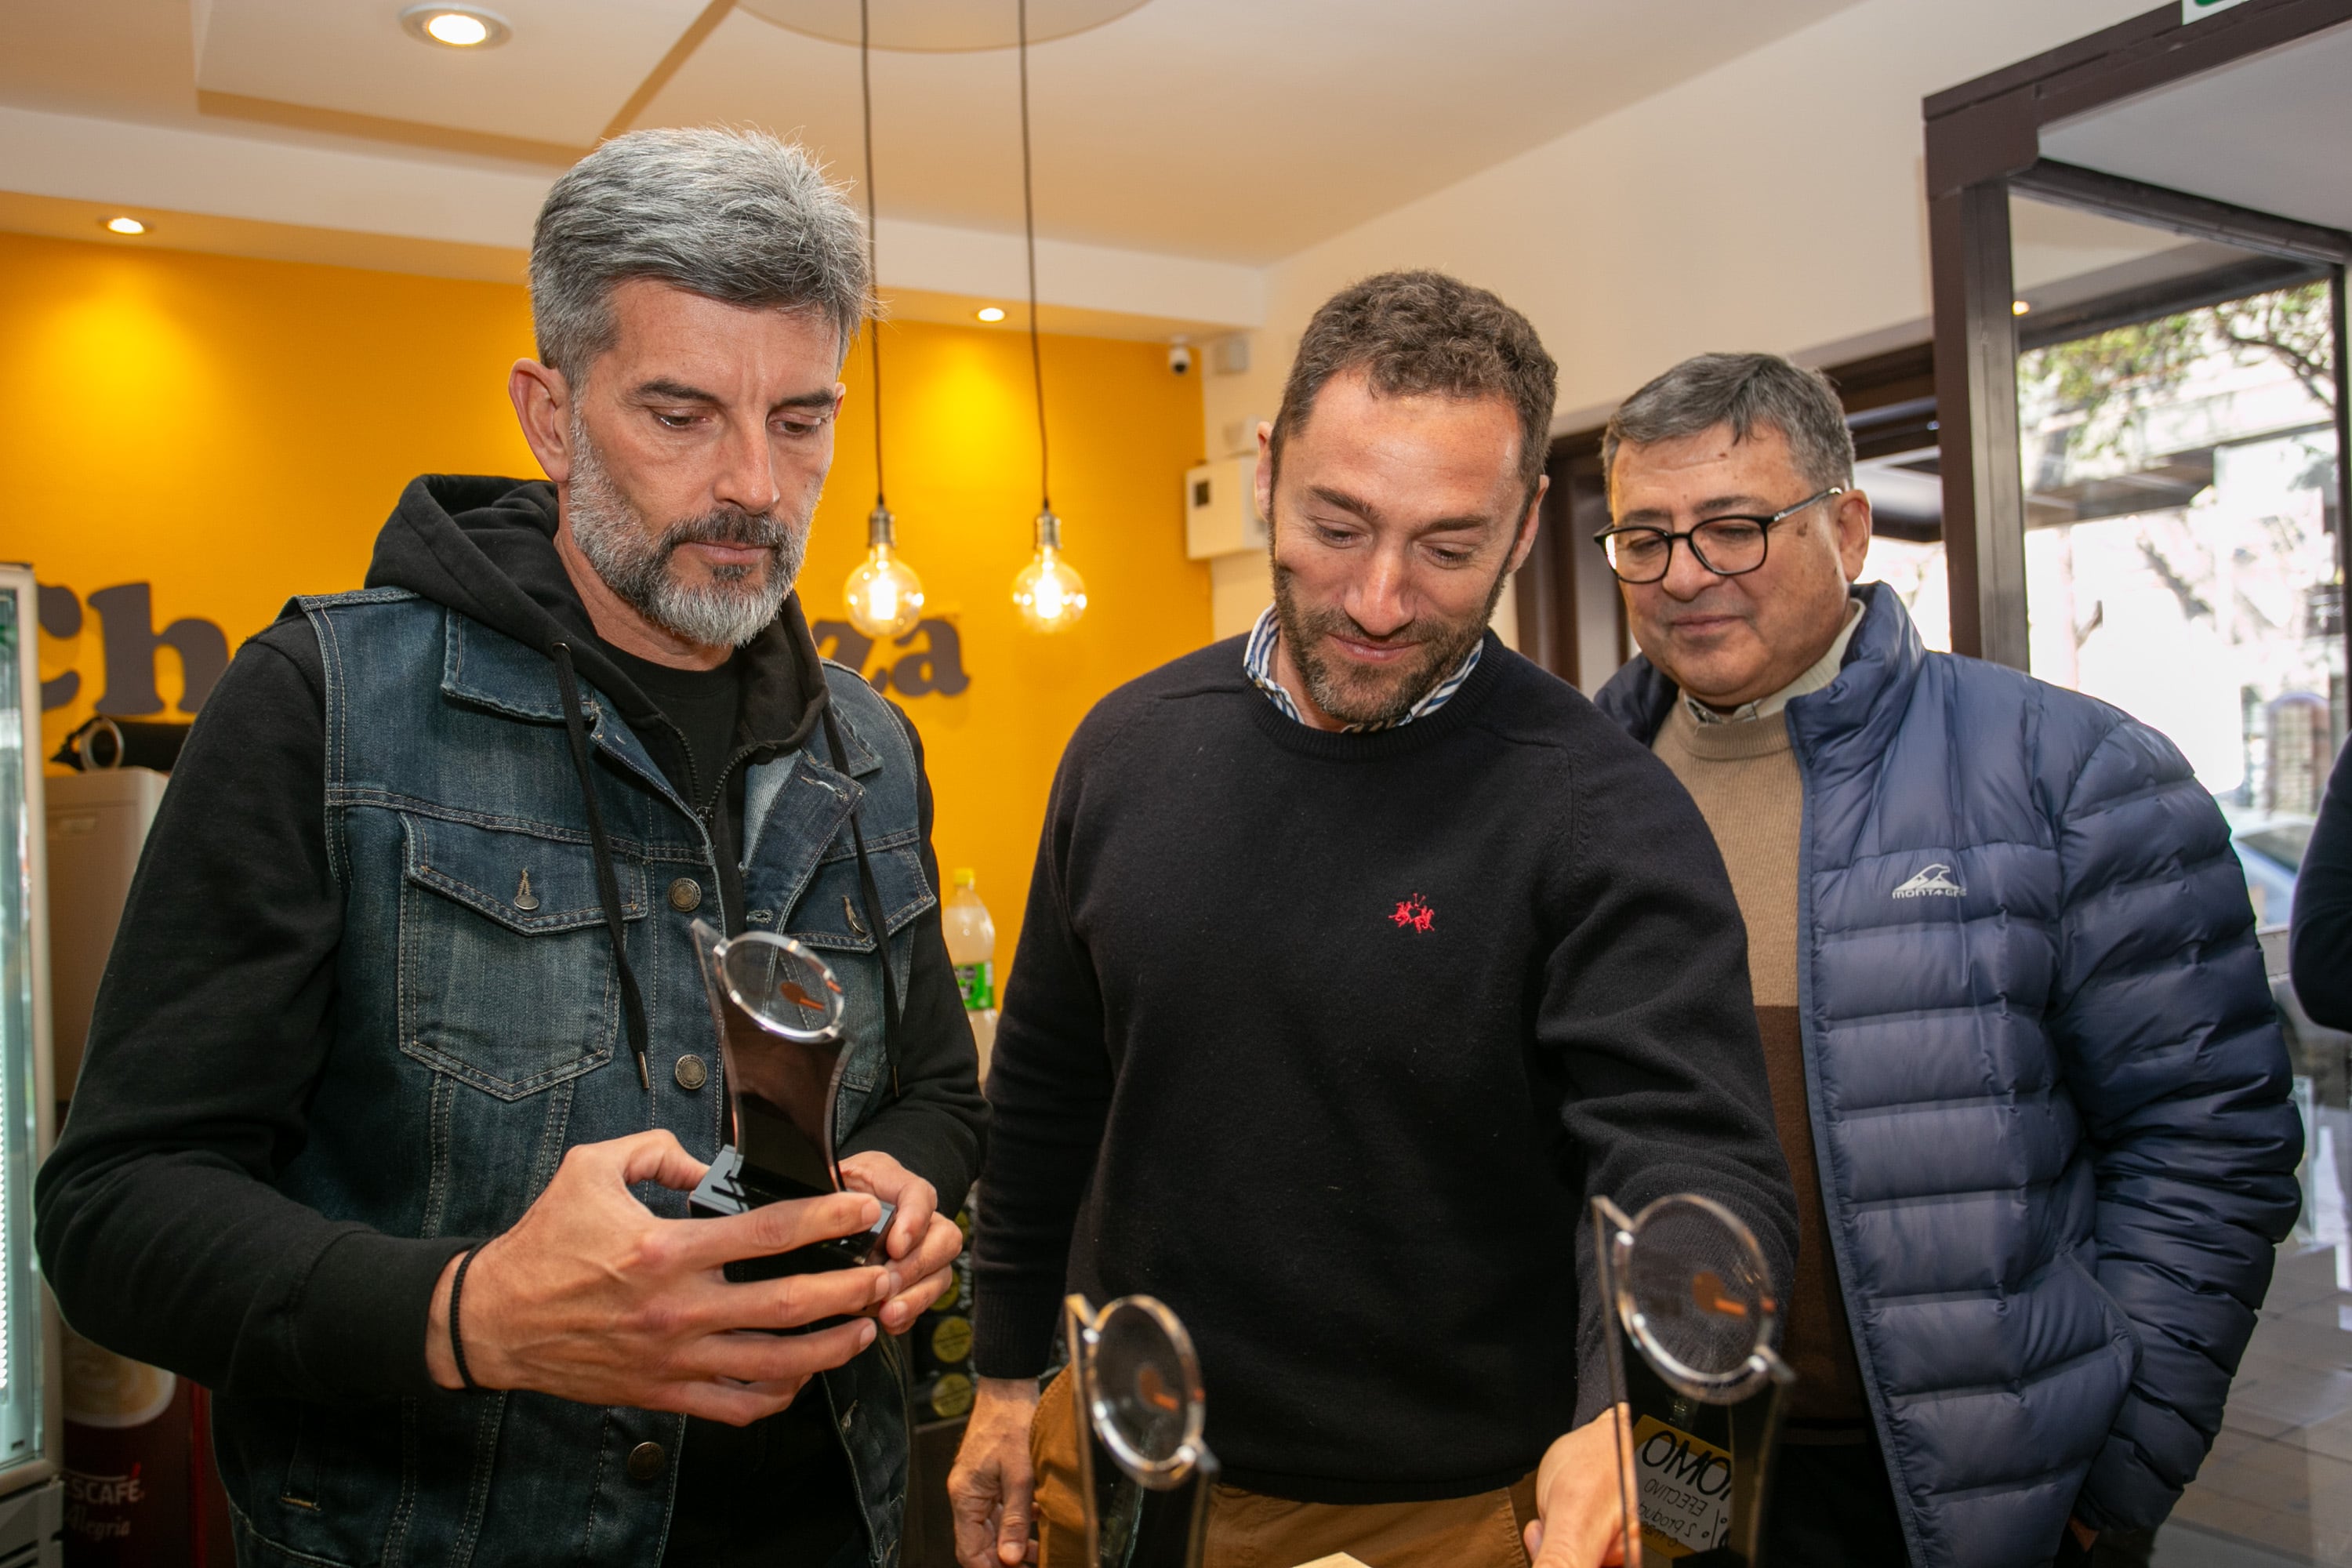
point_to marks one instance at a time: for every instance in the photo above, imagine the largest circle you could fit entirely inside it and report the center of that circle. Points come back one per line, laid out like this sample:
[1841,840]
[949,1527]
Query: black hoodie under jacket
[157,1224]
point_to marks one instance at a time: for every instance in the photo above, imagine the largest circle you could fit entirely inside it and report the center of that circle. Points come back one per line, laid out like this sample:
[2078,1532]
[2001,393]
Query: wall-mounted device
[1221,516]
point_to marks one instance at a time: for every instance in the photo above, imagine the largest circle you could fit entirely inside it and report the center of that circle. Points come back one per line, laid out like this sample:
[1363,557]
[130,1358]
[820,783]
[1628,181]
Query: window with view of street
[2182,562]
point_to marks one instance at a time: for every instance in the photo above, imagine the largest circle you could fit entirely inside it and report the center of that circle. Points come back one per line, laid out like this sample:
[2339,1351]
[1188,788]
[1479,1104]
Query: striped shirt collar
[1257,660]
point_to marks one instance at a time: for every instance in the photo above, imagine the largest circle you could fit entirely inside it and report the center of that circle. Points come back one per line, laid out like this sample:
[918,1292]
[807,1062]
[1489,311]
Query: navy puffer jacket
[2049,1093]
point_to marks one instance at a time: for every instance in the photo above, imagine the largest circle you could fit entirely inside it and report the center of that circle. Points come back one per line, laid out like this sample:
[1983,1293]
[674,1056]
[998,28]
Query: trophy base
[725,1190]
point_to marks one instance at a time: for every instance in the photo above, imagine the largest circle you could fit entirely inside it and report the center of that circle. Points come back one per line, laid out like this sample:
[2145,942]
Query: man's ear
[1528,524]
[542,405]
[1852,521]
[1264,484]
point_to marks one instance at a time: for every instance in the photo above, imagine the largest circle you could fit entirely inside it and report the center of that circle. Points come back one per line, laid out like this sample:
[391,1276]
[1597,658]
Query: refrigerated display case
[31,1498]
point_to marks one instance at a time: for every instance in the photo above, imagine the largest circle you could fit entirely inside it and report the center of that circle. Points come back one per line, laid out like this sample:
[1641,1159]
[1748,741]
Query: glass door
[2182,557]
[2184,560]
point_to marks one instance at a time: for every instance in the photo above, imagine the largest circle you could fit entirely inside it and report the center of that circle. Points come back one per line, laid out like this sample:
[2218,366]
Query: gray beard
[1361,699]
[733,607]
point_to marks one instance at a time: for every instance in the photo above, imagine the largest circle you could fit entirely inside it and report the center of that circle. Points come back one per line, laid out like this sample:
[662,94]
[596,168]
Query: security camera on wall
[1179,359]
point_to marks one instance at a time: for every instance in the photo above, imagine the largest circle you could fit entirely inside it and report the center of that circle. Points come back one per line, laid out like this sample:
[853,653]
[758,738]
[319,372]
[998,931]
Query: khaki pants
[1250,1530]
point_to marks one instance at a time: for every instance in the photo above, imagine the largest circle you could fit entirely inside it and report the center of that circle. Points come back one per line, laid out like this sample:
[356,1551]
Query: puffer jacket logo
[1935,882]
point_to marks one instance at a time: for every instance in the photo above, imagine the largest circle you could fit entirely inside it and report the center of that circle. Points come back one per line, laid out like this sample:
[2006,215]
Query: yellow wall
[234,432]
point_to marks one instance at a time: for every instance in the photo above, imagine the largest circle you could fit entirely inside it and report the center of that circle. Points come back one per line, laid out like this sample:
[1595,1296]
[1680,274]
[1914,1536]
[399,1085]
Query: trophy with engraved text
[1143,1471]
[779,1010]
[1691,1317]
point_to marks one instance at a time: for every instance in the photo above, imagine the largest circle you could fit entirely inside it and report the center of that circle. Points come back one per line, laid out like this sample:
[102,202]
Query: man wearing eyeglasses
[2022,1057]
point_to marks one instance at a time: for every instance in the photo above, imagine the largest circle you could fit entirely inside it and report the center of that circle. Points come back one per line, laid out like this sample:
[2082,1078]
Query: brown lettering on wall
[126,618]
[934,669]
[937,666]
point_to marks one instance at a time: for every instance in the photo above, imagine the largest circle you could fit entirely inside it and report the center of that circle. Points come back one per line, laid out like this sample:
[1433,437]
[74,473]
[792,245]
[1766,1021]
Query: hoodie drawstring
[871,898]
[608,884]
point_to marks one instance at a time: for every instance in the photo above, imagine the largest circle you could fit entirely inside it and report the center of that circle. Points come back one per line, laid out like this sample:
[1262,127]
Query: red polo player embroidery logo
[1414,913]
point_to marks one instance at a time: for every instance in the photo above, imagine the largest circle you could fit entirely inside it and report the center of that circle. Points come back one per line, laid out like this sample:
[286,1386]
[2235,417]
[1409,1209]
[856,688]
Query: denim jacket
[479,1034]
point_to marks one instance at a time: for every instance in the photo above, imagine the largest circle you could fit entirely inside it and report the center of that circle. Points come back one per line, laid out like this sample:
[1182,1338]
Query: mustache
[1328,623]
[744,529]
[1325,622]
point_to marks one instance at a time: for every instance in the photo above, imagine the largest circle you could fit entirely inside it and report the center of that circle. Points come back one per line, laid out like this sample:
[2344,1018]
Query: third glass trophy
[1143,1471]
[779,1009]
[1690,1321]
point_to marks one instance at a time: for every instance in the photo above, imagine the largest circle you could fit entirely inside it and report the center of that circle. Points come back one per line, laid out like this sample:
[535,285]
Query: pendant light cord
[1029,227]
[873,255]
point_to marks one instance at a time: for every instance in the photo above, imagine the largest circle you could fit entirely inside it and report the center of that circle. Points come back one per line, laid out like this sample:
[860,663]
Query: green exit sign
[2197,10]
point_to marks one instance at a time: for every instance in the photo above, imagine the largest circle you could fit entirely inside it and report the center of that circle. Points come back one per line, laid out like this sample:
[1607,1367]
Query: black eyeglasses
[1727,546]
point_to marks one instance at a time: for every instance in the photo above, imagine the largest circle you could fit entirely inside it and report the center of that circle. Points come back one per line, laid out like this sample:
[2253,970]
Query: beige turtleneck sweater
[1742,771]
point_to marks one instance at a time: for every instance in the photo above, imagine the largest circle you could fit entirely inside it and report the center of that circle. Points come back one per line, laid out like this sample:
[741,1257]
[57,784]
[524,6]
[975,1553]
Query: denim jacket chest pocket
[506,980]
[830,916]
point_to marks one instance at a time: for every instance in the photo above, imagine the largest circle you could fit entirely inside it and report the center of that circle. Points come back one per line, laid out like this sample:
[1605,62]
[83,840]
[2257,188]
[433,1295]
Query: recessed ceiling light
[992,312]
[455,27]
[125,226]
[2021,307]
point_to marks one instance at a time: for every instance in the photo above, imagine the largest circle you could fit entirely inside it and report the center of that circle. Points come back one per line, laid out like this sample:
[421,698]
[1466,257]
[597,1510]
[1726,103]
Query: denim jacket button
[686,895]
[645,1461]
[690,1073]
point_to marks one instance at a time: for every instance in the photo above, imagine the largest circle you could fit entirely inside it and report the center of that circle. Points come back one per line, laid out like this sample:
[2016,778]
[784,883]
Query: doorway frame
[1983,145]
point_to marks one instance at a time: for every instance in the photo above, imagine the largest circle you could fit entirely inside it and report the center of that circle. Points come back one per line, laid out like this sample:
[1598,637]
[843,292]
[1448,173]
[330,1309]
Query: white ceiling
[570,64]
[1235,130]
[940,23]
[2273,132]
[1232,129]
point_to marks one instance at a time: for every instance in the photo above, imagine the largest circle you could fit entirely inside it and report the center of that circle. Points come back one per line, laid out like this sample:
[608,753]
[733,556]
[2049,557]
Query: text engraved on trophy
[1684,1489]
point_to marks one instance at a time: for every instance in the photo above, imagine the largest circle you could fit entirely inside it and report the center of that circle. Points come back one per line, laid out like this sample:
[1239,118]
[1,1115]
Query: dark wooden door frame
[1983,143]
[1547,589]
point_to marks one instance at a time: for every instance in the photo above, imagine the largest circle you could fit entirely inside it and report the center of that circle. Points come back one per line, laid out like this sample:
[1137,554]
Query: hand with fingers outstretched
[1580,1499]
[991,1491]
[592,1297]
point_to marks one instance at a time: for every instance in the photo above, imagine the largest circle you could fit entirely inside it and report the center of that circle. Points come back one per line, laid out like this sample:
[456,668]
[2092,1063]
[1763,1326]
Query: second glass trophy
[778,1009]
[1691,1320]
[1144,1471]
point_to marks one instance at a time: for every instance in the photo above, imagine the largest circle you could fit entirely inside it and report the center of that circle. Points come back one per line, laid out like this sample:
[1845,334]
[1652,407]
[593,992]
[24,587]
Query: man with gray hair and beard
[403,1069]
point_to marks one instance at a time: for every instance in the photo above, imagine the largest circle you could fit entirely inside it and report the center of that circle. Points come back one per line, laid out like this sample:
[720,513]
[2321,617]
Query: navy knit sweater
[1325,1039]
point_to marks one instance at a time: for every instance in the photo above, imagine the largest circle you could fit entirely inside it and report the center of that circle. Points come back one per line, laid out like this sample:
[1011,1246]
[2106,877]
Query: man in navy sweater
[1360,954]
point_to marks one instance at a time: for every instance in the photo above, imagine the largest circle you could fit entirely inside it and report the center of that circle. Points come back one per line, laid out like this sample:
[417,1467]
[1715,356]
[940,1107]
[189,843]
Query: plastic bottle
[972,948]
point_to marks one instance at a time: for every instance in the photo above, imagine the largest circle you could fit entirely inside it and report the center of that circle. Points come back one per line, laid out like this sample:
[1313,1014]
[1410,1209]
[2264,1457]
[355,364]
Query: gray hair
[738,216]
[1747,392]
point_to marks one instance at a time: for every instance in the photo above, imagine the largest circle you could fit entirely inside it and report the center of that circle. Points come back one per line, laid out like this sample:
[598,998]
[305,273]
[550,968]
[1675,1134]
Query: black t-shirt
[702,703]
[777,1491]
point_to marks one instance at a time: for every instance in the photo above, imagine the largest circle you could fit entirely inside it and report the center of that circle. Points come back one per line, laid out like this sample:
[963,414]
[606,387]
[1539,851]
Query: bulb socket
[881,527]
[1049,532]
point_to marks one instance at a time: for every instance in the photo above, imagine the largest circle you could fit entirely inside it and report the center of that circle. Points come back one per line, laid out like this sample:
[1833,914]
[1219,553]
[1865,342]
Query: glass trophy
[1690,1332]
[778,1009]
[1143,1471]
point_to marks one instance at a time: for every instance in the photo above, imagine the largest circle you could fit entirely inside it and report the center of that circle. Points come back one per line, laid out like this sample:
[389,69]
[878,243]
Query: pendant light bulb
[884,595]
[1049,593]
